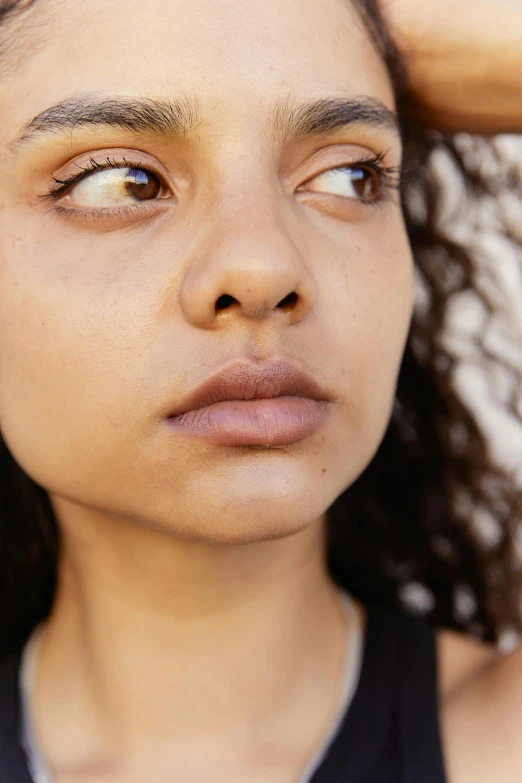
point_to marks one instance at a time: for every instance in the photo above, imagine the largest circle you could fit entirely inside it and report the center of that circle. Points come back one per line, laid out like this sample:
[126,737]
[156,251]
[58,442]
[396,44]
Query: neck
[152,636]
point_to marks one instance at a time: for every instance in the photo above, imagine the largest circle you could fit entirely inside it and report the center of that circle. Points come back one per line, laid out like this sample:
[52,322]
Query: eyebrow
[175,118]
[178,118]
[293,121]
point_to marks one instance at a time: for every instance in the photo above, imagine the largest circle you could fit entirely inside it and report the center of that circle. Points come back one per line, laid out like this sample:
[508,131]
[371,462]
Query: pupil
[142,185]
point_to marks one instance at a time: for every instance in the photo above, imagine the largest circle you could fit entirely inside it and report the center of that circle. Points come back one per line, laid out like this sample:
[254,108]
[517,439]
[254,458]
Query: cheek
[370,319]
[66,354]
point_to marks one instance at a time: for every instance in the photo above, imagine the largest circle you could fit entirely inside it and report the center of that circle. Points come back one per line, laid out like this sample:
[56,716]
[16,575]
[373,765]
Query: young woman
[227,432]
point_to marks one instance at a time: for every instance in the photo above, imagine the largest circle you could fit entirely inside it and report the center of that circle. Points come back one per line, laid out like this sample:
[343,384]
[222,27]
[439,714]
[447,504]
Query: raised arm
[464,59]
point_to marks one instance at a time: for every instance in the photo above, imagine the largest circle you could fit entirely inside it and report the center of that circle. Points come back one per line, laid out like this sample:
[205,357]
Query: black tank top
[390,732]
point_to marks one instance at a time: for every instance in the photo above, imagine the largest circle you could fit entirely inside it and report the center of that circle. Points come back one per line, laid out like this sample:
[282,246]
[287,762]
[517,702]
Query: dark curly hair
[406,523]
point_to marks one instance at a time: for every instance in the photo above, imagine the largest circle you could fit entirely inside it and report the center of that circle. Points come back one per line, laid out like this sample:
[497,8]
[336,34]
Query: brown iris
[365,182]
[142,185]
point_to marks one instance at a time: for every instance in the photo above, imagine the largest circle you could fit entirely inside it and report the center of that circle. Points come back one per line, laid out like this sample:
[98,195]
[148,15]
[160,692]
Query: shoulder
[481,704]
[460,657]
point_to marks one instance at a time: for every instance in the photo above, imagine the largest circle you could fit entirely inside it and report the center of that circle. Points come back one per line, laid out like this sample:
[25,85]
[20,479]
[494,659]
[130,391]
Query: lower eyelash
[98,214]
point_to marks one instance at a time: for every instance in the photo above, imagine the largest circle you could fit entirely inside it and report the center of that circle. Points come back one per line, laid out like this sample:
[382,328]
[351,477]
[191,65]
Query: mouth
[250,404]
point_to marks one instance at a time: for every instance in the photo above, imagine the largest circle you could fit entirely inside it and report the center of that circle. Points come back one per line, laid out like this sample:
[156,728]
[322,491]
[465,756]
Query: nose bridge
[250,263]
[242,183]
[245,185]
[251,230]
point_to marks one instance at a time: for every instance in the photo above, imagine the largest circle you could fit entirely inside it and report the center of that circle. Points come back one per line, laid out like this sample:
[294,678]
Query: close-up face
[229,218]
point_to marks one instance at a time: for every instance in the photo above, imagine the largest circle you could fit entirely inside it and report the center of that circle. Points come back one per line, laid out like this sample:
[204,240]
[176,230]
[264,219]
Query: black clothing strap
[421,735]
[13,767]
[390,732]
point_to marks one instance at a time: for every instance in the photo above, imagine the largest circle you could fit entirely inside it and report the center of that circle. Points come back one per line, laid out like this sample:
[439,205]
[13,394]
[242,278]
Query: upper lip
[249,381]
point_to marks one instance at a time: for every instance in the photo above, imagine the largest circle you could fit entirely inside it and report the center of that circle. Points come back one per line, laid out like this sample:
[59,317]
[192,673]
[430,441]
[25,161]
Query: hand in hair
[464,60]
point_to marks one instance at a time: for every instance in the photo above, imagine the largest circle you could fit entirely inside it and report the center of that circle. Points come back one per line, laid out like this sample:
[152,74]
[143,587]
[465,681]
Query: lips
[249,404]
[248,381]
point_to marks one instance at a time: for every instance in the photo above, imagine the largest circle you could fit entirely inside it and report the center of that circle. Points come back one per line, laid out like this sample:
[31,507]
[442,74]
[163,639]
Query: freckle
[323,471]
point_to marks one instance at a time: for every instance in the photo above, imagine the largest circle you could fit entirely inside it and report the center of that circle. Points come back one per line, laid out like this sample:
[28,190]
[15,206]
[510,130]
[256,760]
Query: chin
[234,523]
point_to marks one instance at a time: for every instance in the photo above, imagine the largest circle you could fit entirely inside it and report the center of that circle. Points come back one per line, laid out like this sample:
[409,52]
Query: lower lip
[269,422]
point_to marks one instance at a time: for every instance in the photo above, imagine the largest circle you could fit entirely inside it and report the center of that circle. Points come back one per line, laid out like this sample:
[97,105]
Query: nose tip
[248,274]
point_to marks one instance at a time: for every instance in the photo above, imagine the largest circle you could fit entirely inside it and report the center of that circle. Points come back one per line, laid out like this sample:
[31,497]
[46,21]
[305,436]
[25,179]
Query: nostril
[224,301]
[288,300]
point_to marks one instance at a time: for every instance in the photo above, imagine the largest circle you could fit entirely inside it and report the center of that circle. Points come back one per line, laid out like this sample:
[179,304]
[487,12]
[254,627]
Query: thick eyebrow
[292,120]
[178,118]
[175,118]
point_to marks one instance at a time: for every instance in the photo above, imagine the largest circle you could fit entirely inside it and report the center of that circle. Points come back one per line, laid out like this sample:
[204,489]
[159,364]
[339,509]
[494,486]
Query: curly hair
[404,529]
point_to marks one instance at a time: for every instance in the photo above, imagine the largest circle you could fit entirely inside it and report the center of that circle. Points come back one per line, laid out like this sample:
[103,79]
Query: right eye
[116,187]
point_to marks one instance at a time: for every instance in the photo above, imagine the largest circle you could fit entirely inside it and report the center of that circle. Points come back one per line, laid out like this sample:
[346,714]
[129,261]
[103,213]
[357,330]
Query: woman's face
[108,320]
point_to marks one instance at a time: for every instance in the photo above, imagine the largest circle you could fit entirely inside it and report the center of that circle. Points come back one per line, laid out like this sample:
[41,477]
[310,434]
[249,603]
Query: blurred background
[486,341]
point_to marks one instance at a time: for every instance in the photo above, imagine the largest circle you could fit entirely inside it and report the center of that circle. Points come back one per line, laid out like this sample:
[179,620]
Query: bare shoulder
[459,658]
[481,705]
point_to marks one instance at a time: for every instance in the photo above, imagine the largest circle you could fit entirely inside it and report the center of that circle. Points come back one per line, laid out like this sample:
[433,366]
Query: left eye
[111,187]
[347,181]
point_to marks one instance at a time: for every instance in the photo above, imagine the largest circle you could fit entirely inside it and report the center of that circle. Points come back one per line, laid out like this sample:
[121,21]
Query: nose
[251,269]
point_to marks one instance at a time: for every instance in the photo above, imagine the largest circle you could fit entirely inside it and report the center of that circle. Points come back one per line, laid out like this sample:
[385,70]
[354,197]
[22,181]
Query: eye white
[345,182]
[106,188]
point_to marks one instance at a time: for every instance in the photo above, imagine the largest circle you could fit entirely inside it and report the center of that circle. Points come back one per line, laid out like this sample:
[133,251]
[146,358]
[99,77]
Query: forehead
[236,56]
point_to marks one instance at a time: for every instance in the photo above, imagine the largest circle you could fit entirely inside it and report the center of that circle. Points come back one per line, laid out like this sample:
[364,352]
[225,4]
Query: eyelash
[93,165]
[389,176]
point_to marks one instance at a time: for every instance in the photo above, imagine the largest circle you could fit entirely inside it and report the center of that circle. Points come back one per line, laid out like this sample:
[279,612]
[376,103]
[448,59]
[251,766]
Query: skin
[464,61]
[187,567]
